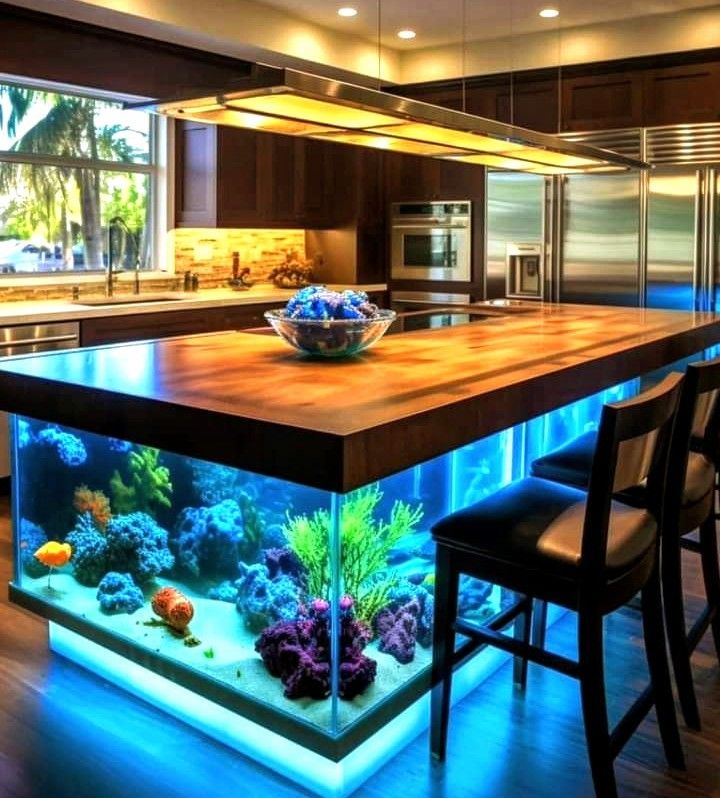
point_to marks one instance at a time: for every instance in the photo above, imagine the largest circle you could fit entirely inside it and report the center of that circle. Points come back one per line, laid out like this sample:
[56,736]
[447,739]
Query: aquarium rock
[90,551]
[138,546]
[70,449]
[32,537]
[117,593]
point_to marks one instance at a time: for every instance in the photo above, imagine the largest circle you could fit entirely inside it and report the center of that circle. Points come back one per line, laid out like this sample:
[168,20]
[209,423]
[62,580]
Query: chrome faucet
[118,234]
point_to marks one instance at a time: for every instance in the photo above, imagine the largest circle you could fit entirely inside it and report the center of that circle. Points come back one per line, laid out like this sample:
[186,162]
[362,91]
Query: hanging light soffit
[299,104]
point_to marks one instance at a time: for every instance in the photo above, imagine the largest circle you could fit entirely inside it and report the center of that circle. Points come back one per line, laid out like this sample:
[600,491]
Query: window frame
[158,168]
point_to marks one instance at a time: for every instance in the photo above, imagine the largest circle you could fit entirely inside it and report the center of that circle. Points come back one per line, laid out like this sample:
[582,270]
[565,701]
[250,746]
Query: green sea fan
[365,544]
[149,486]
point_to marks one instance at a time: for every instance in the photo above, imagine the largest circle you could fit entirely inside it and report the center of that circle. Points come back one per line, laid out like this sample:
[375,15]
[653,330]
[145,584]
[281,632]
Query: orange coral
[94,502]
[53,554]
[174,607]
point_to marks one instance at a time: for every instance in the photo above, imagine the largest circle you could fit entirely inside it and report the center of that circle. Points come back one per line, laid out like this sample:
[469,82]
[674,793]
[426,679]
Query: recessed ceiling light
[407,34]
[347,11]
[549,13]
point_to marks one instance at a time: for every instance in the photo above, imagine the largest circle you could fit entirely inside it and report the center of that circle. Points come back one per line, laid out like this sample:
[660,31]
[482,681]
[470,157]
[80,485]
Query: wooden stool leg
[446,602]
[711,576]
[676,631]
[539,627]
[652,616]
[522,628]
[594,705]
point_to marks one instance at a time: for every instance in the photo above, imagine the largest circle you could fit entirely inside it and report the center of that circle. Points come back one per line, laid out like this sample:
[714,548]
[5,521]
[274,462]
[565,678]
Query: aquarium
[307,612]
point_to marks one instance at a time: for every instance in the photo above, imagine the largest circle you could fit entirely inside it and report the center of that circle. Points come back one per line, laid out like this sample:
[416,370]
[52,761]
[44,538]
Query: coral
[94,502]
[262,600]
[364,547]
[24,433]
[70,449]
[174,607]
[398,631]
[117,593]
[90,551]
[404,594]
[54,554]
[149,486]
[138,546]
[209,541]
[298,652]
[225,591]
[283,562]
[31,538]
[118,445]
[212,482]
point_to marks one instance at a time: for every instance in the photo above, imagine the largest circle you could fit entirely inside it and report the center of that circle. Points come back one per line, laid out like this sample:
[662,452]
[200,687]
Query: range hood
[299,104]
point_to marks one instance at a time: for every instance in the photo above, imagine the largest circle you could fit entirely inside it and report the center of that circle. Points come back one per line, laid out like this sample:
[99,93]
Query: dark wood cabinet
[682,94]
[162,324]
[602,102]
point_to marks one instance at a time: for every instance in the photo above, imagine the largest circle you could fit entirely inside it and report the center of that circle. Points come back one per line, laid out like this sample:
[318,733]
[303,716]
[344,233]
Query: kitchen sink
[128,299]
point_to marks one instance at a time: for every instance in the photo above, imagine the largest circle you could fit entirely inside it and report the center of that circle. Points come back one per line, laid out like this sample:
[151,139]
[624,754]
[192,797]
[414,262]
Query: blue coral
[70,449]
[225,591]
[319,302]
[24,433]
[119,445]
[31,538]
[117,593]
[138,546]
[209,541]
[264,601]
[89,551]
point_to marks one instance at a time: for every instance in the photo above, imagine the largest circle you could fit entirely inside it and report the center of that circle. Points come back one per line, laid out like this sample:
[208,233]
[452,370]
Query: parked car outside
[21,256]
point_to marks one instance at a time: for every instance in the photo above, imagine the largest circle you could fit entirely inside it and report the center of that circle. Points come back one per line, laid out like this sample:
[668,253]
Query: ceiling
[441,22]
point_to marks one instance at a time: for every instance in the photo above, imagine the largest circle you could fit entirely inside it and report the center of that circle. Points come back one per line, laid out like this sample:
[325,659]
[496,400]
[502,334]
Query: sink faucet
[118,235]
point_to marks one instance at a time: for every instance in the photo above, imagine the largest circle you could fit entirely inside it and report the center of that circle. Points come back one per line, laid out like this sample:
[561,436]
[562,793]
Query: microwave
[431,240]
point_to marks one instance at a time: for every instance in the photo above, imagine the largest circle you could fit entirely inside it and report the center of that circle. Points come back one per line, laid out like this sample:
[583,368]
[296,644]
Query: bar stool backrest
[632,447]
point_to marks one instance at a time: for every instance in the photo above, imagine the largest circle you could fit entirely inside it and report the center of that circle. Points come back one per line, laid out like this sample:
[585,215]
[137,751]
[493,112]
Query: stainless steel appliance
[524,271]
[515,213]
[431,240]
[25,339]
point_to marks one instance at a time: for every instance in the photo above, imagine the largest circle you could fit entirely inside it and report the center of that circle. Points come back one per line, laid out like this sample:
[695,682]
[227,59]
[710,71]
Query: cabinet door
[599,102]
[677,95]
[142,326]
[243,177]
[195,173]
[534,105]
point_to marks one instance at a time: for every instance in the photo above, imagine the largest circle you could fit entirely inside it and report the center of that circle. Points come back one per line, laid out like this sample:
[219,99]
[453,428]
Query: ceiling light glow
[549,13]
[347,11]
[406,34]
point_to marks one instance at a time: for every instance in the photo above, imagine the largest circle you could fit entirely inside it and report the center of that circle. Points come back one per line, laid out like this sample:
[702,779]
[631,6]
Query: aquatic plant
[149,486]
[31,538]
[138,546]
[209,541]
[94,502]
[209,653]
[90,551]
[298,652]
[70,449]
[117,593]
[364,547]
[262,600]
[53,554]
[174,607]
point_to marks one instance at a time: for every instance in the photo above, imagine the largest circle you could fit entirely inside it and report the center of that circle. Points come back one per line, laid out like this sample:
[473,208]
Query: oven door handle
[429,229]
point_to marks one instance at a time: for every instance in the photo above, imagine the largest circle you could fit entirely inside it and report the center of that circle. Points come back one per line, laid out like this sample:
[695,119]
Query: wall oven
[431,240]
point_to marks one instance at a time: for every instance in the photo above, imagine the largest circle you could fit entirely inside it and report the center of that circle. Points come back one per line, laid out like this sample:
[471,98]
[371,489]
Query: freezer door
[515,206]
[674,242]
[600,239]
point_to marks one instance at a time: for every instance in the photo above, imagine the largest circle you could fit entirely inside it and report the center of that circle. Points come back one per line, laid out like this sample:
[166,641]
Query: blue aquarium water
[304,609]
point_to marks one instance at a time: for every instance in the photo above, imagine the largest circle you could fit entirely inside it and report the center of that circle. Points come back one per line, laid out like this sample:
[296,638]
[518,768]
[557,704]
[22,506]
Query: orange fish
[54,554]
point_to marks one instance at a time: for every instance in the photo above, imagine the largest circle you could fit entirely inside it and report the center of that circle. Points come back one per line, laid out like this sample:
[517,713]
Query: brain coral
[90,551]
[138,546]
[262,600]
[118,593]
[70,449]
[209,541]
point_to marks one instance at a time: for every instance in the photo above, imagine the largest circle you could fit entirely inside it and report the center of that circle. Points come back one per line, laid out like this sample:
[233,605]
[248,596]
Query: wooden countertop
[251,401]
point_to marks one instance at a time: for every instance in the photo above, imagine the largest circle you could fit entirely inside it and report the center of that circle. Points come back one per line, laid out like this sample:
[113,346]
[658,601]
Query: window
[78,179]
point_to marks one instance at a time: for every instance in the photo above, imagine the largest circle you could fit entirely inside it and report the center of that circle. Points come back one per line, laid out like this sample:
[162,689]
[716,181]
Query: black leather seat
[693,465]
[581,550]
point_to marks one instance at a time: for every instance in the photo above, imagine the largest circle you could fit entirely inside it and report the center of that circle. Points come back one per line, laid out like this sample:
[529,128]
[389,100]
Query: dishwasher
[26,339]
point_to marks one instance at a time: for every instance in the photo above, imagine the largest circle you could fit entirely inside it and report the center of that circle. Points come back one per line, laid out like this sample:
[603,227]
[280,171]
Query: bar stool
[688,505]
[582,551]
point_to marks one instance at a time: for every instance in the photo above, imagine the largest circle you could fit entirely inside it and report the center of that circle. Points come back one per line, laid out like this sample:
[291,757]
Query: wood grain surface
[253,402]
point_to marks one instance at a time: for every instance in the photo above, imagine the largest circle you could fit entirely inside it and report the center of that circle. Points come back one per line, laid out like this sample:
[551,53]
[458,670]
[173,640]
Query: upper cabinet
[602,102]
[682,94]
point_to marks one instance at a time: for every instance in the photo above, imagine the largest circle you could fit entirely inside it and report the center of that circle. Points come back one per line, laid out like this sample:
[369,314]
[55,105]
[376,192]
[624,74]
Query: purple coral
[282,561]
[298,652]
[397,631]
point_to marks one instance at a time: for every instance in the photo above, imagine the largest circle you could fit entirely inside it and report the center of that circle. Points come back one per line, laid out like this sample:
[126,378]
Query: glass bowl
[330,337]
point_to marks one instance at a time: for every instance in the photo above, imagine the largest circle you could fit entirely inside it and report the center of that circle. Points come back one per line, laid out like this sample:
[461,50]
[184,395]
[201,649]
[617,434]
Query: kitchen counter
[40,311]
[253,402]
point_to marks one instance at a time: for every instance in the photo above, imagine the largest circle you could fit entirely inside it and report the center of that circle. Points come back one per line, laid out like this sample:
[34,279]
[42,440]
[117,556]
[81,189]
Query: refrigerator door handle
[710,236]
[697,272]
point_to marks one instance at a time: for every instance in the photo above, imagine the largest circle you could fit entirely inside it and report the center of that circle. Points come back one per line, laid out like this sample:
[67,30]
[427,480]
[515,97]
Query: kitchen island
[250,479]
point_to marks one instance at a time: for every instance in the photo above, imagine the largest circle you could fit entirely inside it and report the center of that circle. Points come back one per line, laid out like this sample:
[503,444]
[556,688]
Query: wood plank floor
[65,734]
